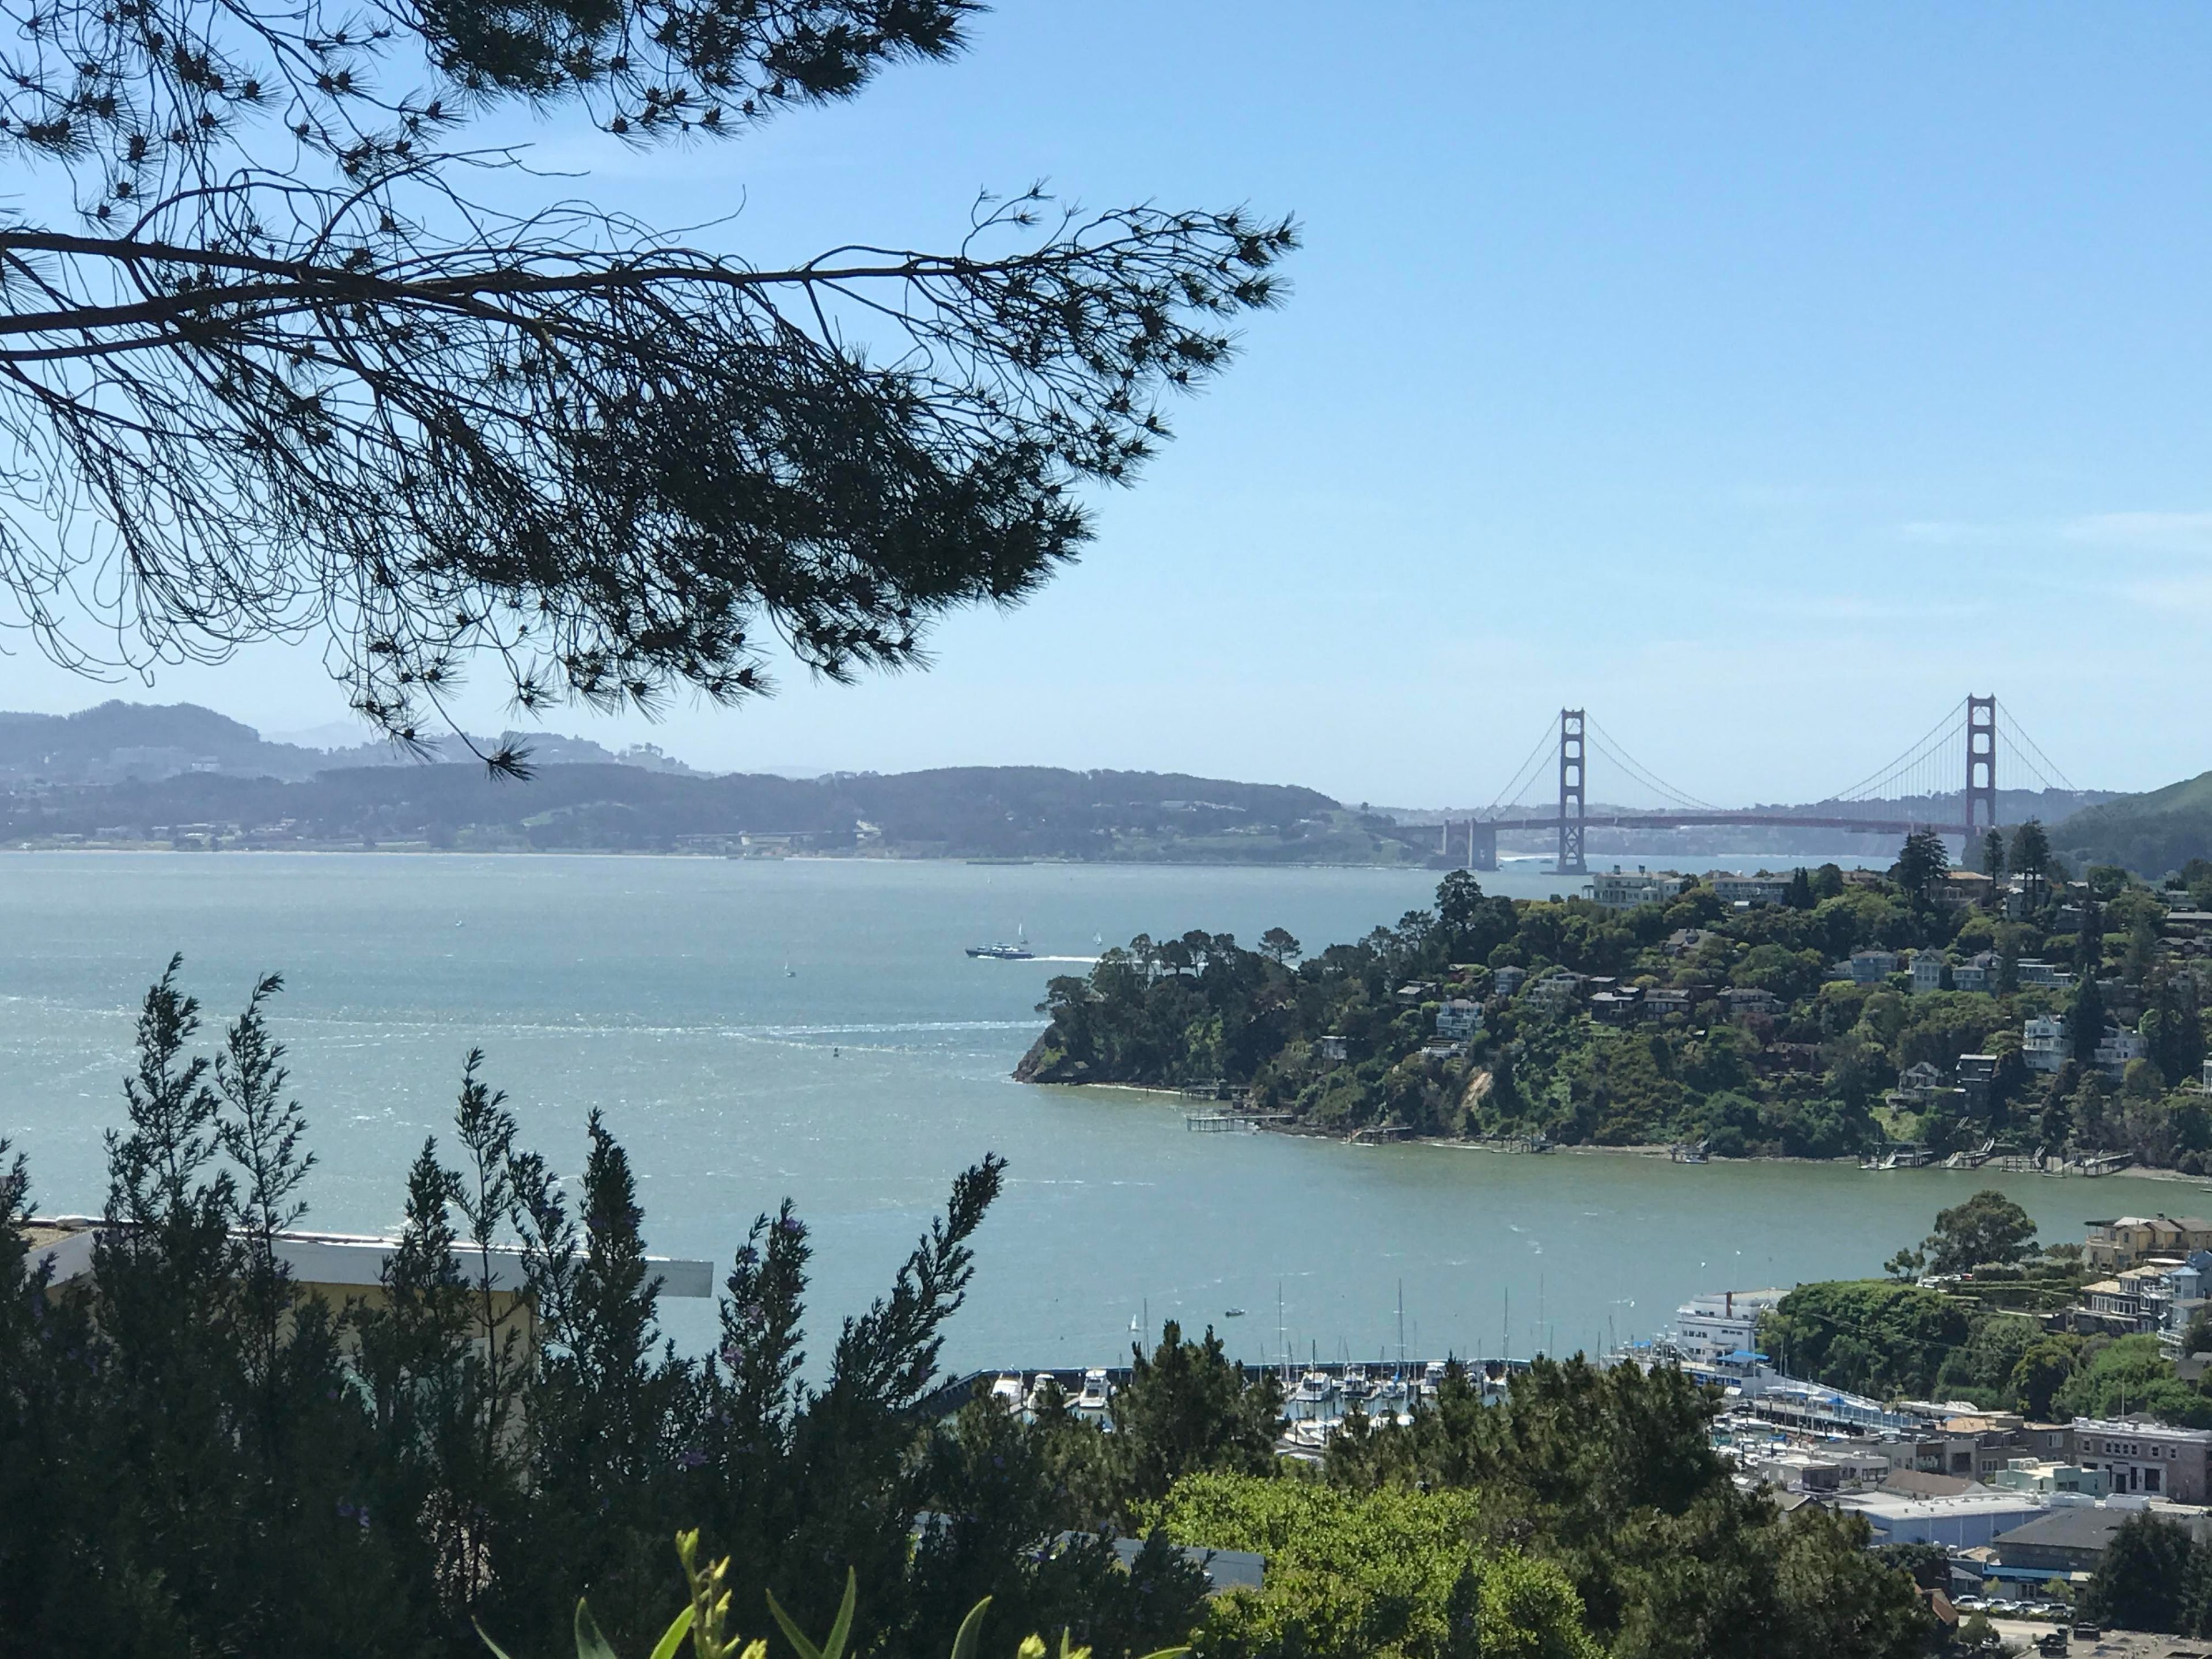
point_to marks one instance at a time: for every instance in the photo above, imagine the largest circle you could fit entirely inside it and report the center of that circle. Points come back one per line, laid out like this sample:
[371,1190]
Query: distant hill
[2149,834]
[144,742]
[966,812]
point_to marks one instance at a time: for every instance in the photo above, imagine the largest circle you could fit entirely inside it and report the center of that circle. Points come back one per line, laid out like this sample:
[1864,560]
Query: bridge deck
[1694,820]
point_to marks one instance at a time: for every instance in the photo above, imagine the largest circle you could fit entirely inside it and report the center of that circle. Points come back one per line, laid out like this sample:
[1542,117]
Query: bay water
[762,1028]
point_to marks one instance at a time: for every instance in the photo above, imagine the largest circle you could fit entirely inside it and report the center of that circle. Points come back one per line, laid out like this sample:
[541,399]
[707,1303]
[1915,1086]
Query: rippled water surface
[861,1080]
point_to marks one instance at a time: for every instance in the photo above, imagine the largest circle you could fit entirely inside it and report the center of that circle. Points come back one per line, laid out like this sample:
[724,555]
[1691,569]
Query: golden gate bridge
[1954,767]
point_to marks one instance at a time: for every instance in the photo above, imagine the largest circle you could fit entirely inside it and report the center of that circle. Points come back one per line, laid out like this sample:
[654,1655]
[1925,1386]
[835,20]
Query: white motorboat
[1432,1377]
[1314,1389]
[1007,1391]
[1096,1391]
[1355,1385]
[1042,1386]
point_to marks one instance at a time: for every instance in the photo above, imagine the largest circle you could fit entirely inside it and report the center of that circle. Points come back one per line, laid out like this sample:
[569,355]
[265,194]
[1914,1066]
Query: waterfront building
[2128,1241]
[1720,1332]
[1617,890]
[1762,889]
[1922,1078]
[2117,1047]
[2042,1043]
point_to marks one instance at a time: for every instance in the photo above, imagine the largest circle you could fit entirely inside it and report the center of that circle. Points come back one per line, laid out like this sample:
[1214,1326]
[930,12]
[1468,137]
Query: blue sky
[1764,379]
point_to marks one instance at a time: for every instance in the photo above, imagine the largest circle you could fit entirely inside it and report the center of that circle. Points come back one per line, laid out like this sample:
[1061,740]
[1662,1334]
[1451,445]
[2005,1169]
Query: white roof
[354,1259]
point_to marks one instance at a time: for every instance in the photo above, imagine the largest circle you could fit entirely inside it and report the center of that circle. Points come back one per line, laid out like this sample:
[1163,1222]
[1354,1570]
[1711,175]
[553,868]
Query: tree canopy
[287,356]
[1989,1227]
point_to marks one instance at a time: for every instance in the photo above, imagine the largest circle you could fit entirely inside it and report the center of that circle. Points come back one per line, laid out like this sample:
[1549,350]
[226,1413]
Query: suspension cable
[1862,790]
[2019,739]
[1614,751]
[1529,766]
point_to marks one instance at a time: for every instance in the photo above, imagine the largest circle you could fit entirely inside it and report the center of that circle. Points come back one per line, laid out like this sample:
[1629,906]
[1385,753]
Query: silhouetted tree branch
[288,375]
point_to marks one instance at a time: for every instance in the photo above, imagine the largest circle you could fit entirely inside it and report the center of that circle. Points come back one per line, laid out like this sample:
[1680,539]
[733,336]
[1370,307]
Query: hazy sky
[1763,378]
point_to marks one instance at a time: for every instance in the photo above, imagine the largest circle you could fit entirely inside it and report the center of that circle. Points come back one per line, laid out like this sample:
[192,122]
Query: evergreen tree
[2089,941]
[2029,856]
[1920,866]
[2085,1019]
[1800,894]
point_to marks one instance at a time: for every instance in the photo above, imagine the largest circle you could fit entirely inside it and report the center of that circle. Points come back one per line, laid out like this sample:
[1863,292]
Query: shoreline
[1657,1151]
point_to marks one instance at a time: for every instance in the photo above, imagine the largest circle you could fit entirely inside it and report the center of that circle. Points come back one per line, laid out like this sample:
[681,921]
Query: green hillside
[2150,834]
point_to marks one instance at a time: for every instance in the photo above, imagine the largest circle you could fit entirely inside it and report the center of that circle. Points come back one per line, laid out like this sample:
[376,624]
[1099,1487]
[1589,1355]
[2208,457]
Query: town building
[1762,889]
[1922,1077]
[2117,1047]
[1963,887]
[1867,967]
[1749,999]
[2064,1542]
[2046,1475]
[2129,1241]
[2042,1043]
[1967,1522]
[1974,973]
[1623,1004]
[1976,1075]
[1719,1331]
[2149,1458]
[1557,990]
[1459,1019]
[1617,890]
[340,1268]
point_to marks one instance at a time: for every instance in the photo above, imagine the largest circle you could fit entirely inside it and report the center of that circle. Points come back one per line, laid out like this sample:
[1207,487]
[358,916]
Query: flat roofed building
[2129,1240]
[1966,1522]
[2149,1458]
[1733,888]
[1618,890]
[338,1268]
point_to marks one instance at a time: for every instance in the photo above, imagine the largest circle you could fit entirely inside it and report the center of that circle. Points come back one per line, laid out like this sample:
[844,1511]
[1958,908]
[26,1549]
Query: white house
[1459,1019]
[2117,1046]
[1732,889]
[2042,1043]
[1617,890]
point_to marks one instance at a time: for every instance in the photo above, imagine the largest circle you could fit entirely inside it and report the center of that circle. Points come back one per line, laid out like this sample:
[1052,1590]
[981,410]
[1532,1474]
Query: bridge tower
[1981,801]
[1571,862]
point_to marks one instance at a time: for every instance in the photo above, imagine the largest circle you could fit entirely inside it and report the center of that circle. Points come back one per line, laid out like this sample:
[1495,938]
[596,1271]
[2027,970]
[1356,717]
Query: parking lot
[2022,1634]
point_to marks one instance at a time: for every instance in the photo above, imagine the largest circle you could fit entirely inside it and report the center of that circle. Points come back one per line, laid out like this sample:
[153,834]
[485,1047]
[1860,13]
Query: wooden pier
[1215,1123]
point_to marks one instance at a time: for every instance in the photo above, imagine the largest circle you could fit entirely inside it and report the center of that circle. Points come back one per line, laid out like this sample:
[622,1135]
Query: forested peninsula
[1818,1021]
